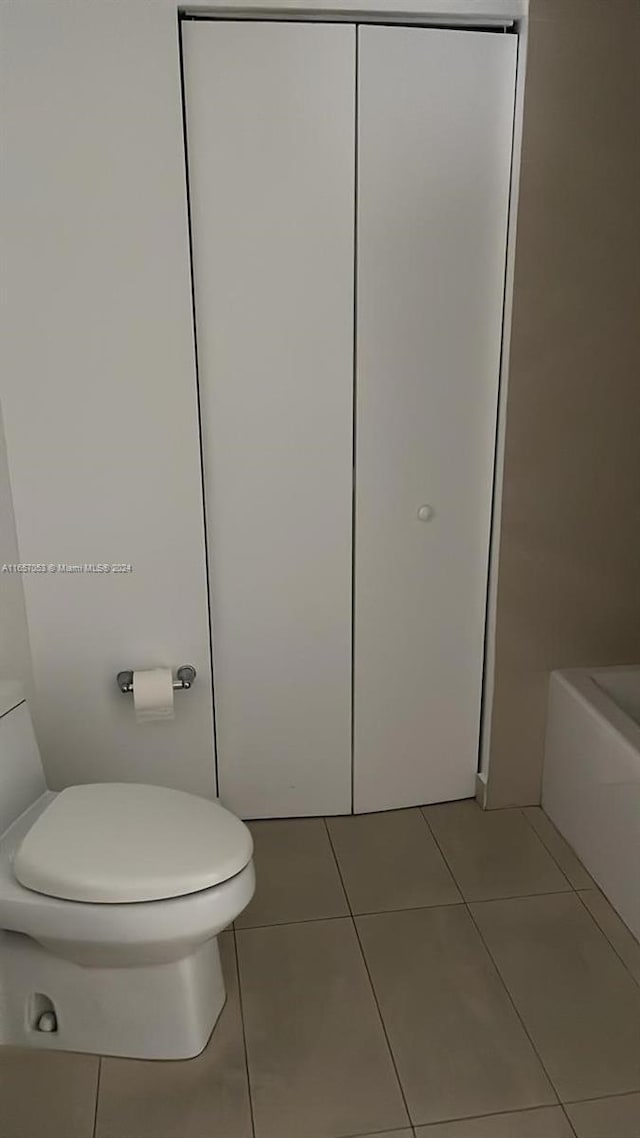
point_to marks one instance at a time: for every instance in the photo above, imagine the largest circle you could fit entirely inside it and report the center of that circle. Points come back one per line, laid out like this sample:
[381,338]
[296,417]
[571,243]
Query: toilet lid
[120,842]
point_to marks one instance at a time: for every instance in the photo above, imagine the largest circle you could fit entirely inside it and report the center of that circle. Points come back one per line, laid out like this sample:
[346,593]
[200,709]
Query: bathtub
[591,785]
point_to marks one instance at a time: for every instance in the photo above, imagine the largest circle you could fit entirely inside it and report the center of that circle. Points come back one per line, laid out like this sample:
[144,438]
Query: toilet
[112,896]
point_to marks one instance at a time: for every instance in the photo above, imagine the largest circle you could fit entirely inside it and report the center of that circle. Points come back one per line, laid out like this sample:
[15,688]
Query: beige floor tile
[580,1005]
[196,1098]
[493,853]
[318,1059]
[47,1093]
[559,849]
[296,875]
[545,1122]
[607,1117]
[391,861]
[614,929]
[458,1044]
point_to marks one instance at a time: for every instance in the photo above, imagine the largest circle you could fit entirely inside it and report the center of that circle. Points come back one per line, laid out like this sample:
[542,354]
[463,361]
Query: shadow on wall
[569,560]
[15,661]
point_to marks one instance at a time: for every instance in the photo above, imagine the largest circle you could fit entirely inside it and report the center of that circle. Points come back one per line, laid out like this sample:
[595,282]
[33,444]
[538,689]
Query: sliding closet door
[270,135]
[434,151]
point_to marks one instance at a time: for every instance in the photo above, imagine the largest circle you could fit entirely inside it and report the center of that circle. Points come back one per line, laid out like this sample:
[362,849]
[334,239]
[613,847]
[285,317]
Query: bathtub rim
[582,684]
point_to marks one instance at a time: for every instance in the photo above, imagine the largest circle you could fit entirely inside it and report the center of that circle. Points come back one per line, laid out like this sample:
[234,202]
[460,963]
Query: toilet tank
[21,775]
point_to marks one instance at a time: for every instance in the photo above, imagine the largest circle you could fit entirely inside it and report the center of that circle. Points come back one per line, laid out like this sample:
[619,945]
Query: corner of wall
[15,654]
[568,561]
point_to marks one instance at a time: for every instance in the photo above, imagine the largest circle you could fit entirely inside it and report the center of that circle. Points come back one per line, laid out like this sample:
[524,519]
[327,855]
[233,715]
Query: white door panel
[270,124]
[434,152]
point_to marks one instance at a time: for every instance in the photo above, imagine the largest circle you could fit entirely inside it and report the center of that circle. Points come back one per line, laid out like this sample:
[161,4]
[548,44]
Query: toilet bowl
[111,899]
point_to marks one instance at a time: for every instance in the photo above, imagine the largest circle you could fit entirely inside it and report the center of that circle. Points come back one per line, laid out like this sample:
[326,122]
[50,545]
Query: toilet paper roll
[153,694]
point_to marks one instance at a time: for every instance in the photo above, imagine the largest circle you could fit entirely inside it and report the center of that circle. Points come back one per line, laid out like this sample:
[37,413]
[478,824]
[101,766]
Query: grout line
[287,924]
[372,913]
[569,1122]
[337,865]
[607,937]
[95,1113]
[593,888]
[408,1130]
[373,991]
[244,1034]
[545,847]
[381,1133]
[499,974]
[599,1098]
[509,897]
[405,909]
[384,1028]
[494,1114]
[476,1118]
[515,1008]
[517,897]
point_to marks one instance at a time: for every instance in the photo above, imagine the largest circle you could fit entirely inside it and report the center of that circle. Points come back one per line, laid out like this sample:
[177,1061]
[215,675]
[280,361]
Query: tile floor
[443,973]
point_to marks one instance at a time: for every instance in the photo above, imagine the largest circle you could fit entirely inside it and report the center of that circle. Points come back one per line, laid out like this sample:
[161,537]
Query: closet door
[434,153]
[271,154]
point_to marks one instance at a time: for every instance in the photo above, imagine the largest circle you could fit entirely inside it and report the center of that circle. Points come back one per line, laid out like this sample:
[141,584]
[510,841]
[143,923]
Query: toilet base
[159,1011]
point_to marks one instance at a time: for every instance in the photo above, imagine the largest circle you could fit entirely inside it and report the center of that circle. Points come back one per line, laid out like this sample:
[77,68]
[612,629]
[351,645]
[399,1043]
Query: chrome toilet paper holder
[185,675]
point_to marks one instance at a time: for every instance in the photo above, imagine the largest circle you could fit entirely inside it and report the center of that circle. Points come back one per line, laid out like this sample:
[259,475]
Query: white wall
[99,381]
[15,660]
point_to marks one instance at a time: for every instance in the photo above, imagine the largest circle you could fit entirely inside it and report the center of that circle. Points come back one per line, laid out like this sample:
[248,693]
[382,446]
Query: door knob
[425,513]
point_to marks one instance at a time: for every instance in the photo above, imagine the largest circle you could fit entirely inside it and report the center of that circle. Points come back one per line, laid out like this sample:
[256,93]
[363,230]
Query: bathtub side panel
[591,790]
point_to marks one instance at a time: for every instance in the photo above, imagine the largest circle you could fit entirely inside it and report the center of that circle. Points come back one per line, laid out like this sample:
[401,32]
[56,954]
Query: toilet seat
[114,843]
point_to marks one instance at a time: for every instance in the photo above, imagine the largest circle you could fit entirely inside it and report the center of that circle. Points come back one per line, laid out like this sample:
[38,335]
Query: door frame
[510,17]
[452,13]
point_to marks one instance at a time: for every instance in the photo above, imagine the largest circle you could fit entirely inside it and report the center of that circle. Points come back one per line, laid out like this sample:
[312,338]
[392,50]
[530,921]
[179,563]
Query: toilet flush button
[425,513]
